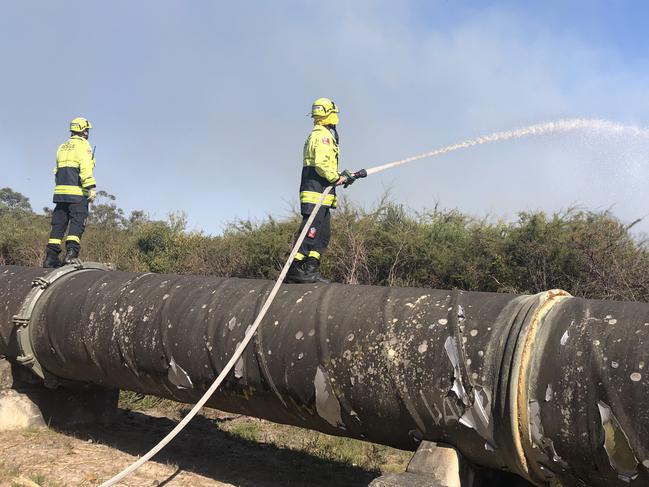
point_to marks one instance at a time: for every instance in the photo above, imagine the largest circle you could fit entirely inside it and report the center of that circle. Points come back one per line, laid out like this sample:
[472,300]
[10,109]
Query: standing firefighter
[319,171]
[75,188]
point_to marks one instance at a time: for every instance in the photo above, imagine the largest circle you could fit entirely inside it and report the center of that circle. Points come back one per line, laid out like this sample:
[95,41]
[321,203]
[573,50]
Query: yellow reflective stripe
[73,238]
[66,189]
[89,182]
[315,254]
[54,241]
[313,197]
[73,164]
[299,256]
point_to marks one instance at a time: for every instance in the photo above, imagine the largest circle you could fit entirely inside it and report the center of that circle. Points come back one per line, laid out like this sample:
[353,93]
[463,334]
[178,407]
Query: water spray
[548,128]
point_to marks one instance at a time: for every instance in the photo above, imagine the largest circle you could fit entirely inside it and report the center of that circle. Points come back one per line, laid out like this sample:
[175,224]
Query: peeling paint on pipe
[551,387]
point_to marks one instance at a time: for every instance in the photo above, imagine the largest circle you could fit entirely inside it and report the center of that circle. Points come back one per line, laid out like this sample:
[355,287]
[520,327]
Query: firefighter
[75,188]
[320,170]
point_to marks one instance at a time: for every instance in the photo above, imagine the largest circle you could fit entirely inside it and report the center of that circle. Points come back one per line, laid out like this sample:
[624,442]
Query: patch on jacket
[325,140]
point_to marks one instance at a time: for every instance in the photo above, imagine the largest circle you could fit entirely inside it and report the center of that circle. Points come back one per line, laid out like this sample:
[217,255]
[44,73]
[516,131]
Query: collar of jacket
[324,127]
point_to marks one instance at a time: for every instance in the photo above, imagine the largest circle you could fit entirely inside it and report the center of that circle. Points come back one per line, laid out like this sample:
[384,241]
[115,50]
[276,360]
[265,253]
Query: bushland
[587,253]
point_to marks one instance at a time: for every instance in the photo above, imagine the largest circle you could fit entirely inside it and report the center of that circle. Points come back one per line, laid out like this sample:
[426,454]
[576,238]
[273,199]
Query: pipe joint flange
[520,383]
[23,319]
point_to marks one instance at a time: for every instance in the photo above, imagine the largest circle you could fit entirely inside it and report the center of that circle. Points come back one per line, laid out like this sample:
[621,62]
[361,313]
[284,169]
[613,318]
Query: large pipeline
[551,387]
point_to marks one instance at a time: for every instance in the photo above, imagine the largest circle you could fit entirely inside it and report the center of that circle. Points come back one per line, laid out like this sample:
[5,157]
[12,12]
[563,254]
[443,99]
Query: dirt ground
[202,456]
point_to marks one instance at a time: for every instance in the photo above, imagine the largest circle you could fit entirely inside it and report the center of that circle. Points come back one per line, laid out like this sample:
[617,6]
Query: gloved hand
[92,194]
[349,178]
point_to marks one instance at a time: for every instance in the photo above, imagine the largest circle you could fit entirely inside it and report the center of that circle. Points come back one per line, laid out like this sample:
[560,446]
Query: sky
[200,106]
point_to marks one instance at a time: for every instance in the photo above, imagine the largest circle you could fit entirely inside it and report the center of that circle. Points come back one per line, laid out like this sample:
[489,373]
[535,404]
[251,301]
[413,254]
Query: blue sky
[200,106]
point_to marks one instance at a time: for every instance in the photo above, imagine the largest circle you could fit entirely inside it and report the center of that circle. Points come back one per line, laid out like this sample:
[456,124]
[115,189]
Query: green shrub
[589,254]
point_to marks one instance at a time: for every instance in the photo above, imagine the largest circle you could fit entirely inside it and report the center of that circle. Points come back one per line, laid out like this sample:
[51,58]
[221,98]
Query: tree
[137,219]
[106,214]
[14,201]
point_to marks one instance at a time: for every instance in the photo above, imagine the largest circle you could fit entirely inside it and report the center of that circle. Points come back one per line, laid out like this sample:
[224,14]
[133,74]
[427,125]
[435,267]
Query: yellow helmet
[324,112]
[80,124]
[323,107]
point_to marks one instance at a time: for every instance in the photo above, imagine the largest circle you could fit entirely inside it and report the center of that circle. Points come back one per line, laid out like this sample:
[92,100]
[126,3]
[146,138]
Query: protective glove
[349,178]
[92,194]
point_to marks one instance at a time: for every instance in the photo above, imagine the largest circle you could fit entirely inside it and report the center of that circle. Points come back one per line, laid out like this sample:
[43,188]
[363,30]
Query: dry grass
[215,450]
[368,456]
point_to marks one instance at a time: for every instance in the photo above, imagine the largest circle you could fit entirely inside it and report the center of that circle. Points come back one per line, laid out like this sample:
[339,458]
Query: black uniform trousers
[317,238]
[72,214]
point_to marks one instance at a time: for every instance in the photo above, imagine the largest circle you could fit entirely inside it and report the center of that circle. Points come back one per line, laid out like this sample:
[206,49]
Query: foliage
[139,402]
[12,201]
[587,253]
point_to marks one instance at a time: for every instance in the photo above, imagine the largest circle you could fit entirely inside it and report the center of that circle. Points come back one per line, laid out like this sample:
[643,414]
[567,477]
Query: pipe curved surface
[551,387]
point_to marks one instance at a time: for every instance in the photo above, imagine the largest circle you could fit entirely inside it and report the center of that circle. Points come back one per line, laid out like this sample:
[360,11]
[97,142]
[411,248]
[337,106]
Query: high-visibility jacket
[320,168]
[73,173]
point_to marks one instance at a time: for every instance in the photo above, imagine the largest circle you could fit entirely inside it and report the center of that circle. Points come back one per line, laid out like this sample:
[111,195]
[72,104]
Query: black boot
[52,260]
[72,254]
[295,274]
[312,270]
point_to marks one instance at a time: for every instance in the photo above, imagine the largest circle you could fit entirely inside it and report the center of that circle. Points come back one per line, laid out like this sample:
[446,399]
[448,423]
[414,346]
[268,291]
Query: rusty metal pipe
[551,387]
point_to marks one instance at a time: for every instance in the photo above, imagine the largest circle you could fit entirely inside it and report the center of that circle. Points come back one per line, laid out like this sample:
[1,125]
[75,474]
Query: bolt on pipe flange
[23,319]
